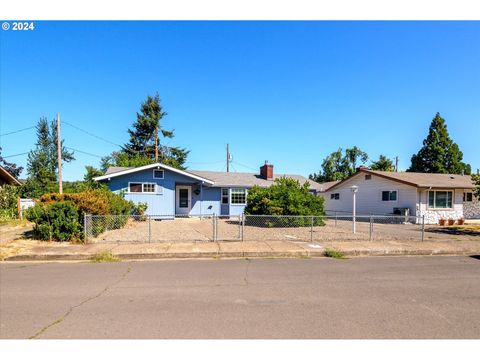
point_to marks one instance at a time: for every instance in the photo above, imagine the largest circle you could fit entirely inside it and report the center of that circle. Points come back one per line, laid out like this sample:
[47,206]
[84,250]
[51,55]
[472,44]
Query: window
[135,187]
[147,187]
[335,196]
[467,196]
[368,177]
[224,196]
[141,187]
[389,195]
[440,199]
[239,196]
[158,174]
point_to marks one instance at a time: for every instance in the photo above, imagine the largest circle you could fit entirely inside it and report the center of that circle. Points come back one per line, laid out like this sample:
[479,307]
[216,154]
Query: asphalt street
[378,297]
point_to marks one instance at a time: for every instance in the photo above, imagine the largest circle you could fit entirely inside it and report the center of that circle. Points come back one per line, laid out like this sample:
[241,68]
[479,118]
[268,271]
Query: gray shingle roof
[240,179]
[422,180]
[248,179]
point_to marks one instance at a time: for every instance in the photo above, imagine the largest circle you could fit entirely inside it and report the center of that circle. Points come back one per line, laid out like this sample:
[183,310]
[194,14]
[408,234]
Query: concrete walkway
[27,250]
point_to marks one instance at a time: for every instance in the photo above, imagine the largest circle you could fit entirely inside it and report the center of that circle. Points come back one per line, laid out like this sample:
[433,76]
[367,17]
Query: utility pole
[59,155]
[228,158]
[396,163]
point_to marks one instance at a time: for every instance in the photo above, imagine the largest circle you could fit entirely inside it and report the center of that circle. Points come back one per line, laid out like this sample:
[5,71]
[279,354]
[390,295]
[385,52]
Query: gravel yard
[229,229]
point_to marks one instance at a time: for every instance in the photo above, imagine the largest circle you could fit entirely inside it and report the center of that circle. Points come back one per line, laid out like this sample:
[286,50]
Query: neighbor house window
[368,177]
[141,187]
[440,199]
[158,174]
[468,196]
[239,196]
[389,195]
[224,196]
[335,196]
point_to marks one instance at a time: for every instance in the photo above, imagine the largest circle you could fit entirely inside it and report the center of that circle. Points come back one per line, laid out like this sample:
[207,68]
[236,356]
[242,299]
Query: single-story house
[7,179]
[171,192]
[435,196]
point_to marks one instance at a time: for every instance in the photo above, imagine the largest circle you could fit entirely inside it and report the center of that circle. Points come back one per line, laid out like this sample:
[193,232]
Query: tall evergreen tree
[439,153]
[144,136]
[42,162]
[12,168]
[382,164]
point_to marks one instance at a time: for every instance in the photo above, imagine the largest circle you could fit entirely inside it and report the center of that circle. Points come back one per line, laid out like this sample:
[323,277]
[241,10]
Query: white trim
[435,199]
[222,196]
[389,191]
[246,194]
[160,178]
[178,209]
[151,166]
[142,183]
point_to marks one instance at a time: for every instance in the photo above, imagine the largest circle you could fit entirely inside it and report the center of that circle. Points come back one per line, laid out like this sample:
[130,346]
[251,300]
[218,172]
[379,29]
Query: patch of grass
[336,254]
[104,257]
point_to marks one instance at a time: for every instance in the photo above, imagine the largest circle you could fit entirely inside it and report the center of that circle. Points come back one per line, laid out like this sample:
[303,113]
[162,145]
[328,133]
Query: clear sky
[286,92]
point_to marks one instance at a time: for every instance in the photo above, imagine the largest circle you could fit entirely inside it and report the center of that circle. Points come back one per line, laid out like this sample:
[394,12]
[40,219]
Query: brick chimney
[266,171]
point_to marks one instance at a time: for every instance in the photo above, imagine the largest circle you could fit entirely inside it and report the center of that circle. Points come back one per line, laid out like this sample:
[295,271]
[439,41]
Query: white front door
[183,200]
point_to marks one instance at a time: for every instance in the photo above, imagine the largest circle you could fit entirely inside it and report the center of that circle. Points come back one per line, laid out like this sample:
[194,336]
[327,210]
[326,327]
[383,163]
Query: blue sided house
[171,192]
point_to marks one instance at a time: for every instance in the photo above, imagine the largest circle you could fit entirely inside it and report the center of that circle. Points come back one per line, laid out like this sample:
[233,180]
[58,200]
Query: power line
[9,156]
[83,152]
[17,131]
[89,133]
[245,166]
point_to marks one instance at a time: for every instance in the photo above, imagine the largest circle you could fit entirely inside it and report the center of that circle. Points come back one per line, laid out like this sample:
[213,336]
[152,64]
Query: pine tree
[12,168]
[382,164]
[144,136]
[439,153]
[42,162]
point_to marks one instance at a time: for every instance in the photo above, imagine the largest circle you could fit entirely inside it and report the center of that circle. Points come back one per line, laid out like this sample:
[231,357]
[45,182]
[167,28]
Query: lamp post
[354,189]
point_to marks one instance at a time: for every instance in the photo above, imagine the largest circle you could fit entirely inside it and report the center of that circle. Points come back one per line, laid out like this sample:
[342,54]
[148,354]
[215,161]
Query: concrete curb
[238,254]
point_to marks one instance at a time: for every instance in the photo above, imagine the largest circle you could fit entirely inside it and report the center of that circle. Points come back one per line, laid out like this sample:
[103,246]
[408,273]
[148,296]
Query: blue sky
[287,92]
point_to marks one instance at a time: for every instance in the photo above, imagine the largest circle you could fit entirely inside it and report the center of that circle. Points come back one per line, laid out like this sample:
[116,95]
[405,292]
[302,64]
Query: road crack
[245,277]
[64,316]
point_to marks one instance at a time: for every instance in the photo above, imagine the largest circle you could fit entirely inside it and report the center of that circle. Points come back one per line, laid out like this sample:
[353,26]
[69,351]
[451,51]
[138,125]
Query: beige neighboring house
[7,179]
[435,196]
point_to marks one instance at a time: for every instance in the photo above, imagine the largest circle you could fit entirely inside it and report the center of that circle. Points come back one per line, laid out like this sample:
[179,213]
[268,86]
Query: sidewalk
[30,250]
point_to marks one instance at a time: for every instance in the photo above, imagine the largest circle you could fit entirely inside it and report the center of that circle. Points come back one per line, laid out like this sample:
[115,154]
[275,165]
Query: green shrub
[55,221]
[8,202]
[49,217]
[139,211]
[285,197]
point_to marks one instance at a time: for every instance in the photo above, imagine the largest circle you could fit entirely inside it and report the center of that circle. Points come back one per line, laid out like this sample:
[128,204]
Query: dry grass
[104,257]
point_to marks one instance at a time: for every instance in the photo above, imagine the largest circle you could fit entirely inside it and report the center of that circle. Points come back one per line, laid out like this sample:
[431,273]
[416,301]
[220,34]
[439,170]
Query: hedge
[60,216]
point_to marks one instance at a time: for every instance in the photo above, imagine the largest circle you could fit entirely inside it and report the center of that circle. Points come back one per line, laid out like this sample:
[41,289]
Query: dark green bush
[55,221]
[285,197]
[50,219]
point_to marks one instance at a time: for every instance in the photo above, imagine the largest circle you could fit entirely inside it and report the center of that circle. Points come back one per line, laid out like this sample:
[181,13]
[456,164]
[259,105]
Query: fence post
[243,227]
[423,227]
[371,227]
[214,228]
[311,231]
[85,228]
[149,228]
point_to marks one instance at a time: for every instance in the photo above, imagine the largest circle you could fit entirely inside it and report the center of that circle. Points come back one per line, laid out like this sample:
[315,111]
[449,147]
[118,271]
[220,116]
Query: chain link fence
[175,228]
